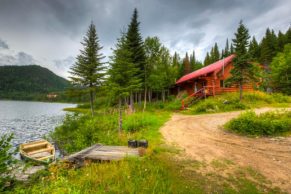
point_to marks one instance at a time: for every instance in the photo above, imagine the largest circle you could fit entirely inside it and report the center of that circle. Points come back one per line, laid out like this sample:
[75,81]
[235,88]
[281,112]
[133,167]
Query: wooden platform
[103,153]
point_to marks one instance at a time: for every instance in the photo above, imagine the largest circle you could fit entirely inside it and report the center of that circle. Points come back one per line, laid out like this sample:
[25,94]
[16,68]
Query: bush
[6,160]
[230,101]
[266,124]
[78,132]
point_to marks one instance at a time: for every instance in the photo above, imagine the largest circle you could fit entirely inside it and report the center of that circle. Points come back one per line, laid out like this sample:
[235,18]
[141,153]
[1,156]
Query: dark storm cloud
[51,30]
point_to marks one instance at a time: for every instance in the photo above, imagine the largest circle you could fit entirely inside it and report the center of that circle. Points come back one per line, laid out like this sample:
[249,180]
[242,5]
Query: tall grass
[267,124]
[80,131]
[230,102]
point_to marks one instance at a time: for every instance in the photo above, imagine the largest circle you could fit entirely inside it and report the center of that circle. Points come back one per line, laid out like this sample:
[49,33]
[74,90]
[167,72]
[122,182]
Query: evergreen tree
[216,54]
[231,49]
[136,47]
[122,74]
[268,47]
[226,49]
[288,36]
[186,64]
[243,71]
[254,49]
[222,54]
[88,71]
[192,61]
[281,41]
[207,59]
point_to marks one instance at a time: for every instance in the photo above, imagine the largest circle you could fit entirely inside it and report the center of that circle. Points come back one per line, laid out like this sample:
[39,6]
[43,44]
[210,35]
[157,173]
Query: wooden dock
[99,152]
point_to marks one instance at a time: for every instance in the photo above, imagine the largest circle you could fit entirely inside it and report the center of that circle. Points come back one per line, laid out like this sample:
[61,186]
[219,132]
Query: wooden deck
[99,152]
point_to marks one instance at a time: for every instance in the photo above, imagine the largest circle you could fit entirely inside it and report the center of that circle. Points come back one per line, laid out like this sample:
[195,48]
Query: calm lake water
[30,120]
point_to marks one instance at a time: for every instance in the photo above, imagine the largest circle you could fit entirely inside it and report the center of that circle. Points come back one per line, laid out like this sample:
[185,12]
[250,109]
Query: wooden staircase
[196,96]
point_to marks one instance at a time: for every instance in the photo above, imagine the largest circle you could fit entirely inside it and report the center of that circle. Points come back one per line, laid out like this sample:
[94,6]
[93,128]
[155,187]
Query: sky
[49,32]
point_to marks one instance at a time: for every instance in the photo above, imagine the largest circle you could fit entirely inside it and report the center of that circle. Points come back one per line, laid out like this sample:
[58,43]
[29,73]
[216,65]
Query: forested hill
[31,79]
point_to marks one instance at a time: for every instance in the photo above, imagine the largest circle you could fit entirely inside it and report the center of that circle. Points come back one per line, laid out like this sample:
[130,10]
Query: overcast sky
[48,32]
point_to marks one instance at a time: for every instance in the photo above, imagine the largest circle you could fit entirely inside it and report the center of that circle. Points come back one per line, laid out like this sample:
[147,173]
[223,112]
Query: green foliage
[122,73]
[266,124]
[136,46]
[281,71]
[88,71]
[6,160]
[29,82]
[78,132]
[230,102]
[243,71]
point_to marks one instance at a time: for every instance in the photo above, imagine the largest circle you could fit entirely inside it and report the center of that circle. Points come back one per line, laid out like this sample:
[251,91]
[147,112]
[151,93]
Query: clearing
[203,139]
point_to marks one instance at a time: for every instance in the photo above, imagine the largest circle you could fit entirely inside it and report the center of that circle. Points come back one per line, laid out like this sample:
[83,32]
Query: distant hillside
[32,79]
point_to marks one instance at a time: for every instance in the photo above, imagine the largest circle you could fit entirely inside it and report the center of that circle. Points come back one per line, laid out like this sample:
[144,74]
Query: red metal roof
[205,70]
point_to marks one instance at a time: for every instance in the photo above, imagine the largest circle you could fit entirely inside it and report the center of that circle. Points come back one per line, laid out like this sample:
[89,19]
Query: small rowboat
[40,151]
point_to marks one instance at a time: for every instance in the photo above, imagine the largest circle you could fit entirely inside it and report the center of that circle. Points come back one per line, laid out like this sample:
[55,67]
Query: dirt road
[203,139]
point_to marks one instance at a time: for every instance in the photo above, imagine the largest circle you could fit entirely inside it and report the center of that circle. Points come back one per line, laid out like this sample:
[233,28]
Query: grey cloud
[21,58]
[37,24]
[3,44]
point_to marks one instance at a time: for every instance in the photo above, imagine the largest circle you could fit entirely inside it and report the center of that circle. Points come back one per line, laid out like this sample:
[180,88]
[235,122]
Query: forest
[129,98]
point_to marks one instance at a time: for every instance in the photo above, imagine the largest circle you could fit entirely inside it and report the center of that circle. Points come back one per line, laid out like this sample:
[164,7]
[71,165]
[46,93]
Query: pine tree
[136,47]
[122,74]
[226,49]
[216,54]
[231,49]
[243,71]
[254,49]
[88,71]
[281,41]
[186,64]
[207,59]
[193,61]
[268,47]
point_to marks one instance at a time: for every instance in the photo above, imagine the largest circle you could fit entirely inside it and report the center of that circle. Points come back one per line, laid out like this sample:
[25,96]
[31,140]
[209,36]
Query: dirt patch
[203,139]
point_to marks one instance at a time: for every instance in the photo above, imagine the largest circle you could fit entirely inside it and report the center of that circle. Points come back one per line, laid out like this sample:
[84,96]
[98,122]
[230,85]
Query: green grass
[230,102]
[272,123]
[161,170]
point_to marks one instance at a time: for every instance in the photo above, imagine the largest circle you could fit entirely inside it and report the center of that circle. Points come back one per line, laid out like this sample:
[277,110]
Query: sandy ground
[203,139]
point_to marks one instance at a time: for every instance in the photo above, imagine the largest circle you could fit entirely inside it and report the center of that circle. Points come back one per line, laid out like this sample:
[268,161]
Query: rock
[23,175]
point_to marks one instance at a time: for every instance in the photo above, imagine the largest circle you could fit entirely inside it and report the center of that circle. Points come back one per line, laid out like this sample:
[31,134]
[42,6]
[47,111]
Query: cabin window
[222,83]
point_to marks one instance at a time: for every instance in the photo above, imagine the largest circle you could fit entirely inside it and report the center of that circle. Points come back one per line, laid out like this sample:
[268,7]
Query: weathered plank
[103,153]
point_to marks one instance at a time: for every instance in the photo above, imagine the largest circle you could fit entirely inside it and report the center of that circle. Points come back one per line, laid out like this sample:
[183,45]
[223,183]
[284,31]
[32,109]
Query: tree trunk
[240,91]
[135,97]
[120,116]
[91,101]
[139,98]
[163,95]
[131,103]
[149,95]
[145,99]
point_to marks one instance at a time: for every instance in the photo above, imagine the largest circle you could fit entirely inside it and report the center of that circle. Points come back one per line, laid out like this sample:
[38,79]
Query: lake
[30,120]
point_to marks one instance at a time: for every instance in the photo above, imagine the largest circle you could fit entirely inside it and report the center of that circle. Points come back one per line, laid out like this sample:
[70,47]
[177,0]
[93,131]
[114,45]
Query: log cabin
[209,81]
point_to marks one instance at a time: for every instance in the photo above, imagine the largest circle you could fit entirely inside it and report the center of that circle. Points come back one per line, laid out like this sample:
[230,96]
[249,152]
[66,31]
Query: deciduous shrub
[266,124]
[6,160]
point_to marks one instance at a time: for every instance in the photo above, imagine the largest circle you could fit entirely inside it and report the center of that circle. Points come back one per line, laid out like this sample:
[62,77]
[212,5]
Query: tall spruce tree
[122,74]
[186,64]
[193,61]
[88,71]
[231,48]
[136,47]
[243,71]
[254,49]
[268,47]
[226,49]
[207,59]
